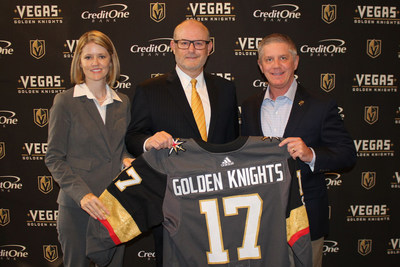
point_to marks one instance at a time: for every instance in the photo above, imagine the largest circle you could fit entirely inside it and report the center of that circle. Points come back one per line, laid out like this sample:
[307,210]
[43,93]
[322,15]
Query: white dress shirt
[201,88]
[83,90]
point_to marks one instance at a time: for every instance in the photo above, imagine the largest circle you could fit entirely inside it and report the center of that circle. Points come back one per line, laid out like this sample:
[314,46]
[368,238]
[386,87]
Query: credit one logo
[5,48]
[278,13]
[157,47]
[13,252]
[10,182]
[333,179]
[7,117]
[328,47]
[330,247]
[107,13]
[123,82]
[149,255]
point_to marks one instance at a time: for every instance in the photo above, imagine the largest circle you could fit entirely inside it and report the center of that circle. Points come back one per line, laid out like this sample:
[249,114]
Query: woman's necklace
[102,100]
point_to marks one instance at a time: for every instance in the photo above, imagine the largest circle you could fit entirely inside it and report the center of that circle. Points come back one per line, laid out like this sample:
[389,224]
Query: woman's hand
[94,207]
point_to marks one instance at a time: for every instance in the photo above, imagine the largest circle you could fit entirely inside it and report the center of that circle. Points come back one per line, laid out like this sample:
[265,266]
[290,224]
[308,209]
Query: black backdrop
[348,49]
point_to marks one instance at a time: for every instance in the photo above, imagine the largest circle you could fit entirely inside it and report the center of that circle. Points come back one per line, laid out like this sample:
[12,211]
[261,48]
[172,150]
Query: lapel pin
[301,102]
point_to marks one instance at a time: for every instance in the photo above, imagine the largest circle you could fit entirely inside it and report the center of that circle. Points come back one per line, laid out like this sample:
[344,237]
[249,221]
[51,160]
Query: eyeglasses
[185,44]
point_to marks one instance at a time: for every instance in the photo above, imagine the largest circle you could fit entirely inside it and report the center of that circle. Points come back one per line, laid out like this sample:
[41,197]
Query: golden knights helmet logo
[327,82]
[38,48]
[364,246]
[328,13]
[374,48]
[368,179]
[371,114]
[4,217]
[45,184]
[212,39]
[50,252]
[2,149]
[41,116]
[157,11]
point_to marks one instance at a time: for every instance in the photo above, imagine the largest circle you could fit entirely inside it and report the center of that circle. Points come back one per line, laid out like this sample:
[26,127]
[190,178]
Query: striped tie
[198,111]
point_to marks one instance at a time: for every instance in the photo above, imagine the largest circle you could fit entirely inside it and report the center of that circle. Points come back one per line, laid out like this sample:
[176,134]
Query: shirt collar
[289,94]
[83,90]
[185,79]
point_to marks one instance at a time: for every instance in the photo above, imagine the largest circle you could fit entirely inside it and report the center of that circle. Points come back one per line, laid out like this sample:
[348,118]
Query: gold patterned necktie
[198,111]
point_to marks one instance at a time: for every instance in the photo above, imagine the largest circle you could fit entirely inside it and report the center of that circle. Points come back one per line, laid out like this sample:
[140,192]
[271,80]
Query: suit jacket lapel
[177,92]
[94,114]
[257,110]
[110,120]
[299,107]
[213,98]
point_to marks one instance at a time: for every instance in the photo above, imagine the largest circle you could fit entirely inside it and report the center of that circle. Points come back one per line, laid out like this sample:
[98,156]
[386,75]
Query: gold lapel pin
[301,102]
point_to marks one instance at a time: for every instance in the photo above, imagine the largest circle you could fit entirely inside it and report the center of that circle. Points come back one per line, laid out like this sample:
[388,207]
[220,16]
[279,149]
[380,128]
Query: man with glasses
[185,103]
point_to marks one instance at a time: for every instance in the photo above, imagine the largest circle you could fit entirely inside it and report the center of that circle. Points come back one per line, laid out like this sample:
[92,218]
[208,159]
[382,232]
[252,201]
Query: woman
[86,143]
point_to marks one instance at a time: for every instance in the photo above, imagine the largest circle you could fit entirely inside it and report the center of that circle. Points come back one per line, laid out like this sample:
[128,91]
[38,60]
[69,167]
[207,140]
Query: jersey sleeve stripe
[296,225]
[111,232]
[298,235]
[121,225]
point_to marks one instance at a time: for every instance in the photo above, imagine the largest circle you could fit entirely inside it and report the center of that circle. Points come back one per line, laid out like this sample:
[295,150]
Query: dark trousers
[158,243]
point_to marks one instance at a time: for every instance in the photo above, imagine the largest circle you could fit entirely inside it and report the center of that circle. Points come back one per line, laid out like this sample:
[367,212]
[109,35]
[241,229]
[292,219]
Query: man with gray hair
[310,123]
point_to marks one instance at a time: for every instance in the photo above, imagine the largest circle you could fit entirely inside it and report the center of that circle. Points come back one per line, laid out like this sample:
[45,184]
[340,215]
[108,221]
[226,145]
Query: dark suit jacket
[160,104]
[315,119]
[83,153]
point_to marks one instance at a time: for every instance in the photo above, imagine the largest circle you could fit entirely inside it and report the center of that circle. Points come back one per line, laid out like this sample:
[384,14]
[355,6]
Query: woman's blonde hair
[97,37]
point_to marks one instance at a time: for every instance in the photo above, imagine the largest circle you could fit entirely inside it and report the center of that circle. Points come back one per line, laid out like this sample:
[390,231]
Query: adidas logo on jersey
[226,162]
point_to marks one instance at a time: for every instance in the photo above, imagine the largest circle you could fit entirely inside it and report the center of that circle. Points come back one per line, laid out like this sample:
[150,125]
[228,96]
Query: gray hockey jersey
[237,204]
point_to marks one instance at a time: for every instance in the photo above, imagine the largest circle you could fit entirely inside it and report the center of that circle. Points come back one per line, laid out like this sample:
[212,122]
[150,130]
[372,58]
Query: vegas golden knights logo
[327,82]
[4,217]
[157,11]
[212,39]
[374,48]
[364,246]
[2,150]
[38,48]
[45,184]
[328,13]
[50,252]
[368,179]
[41,116]
[371,114]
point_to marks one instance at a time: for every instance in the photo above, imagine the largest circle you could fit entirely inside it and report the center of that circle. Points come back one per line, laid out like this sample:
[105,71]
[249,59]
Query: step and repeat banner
[349,50]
